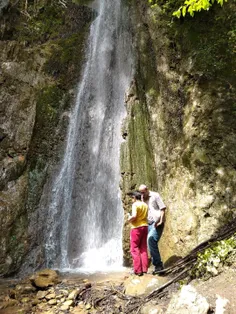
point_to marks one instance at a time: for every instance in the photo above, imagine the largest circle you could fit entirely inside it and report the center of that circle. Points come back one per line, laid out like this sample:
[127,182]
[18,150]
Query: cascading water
[85,211]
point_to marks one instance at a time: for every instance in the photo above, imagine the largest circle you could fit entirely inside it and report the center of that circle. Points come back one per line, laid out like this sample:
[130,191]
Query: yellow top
[140,210]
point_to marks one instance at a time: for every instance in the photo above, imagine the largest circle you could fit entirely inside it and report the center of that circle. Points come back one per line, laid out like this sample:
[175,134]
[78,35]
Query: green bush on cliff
[190,6]
[213,258]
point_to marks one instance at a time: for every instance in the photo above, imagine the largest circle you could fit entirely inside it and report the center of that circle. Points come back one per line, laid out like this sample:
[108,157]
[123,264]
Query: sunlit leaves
[192,6]
[209,262]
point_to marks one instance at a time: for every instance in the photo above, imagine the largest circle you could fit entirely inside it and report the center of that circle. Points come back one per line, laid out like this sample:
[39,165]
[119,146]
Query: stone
[221,305]
[188,301]
[50,296]
[68,302]
[88,306]
[41,294]
[73,295]
[45,278]
[59,296]
[64,292]
[52,302]
[143,285]
[152,308]
[25,300]
[78,310]
[25,288]
[35,302]
[64,307]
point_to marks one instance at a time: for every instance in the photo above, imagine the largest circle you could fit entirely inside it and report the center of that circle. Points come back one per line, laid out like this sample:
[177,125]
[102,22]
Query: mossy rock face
[184,71]
[41,57]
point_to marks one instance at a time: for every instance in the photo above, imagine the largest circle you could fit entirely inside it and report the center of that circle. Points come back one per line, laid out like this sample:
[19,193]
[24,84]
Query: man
[156,214]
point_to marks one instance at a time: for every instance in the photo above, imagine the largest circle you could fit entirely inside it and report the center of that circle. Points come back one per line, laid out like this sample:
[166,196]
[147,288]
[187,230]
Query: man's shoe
[157,270]
[138,274]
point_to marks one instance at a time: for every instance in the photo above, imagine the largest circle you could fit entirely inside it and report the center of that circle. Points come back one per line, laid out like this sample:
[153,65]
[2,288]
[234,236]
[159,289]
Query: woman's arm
[134,214]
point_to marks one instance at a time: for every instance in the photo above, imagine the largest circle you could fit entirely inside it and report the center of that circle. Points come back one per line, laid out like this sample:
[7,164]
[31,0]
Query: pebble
[41,294]
[64,307]
[73,295]
[50,296]
[52,302]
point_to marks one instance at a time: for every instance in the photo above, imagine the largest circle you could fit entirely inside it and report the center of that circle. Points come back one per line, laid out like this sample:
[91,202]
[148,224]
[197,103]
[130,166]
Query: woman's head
[136,196]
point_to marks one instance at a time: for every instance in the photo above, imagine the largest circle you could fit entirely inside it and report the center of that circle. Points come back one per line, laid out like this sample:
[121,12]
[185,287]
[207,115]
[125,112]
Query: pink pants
[138,249]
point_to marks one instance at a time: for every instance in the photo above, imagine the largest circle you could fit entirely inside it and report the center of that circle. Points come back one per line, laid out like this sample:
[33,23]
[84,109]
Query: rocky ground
[51,293]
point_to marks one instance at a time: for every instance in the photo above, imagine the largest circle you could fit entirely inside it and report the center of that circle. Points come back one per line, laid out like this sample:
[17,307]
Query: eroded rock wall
[41,56]
[185,95]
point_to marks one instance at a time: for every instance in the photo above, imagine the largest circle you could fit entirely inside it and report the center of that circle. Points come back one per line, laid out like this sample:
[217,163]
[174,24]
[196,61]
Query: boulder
[143,285]
[188,300]
[45,278]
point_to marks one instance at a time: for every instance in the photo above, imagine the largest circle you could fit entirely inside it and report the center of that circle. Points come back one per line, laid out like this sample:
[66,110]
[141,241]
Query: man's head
[143,189]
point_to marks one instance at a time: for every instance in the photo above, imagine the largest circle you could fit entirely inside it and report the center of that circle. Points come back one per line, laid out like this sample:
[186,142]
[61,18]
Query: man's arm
[158,223]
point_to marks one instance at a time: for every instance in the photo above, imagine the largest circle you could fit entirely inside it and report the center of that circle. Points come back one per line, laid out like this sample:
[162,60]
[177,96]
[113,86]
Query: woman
[138,234]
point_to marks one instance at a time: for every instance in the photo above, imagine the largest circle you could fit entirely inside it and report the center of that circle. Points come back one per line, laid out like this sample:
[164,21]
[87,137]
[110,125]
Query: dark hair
[137,195]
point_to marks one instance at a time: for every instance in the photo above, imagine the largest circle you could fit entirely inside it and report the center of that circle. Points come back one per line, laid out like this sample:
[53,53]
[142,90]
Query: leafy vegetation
[212,259]
[191,6]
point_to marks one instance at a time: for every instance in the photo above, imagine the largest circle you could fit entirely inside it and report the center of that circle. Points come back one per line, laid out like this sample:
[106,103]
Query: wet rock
[188,301]
[45,278]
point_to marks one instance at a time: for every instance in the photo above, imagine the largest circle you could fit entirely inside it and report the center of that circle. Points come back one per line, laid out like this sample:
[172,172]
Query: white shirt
[155,205]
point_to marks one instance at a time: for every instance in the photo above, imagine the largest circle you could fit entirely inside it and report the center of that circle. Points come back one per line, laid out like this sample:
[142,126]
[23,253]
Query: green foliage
[189,6]
[192,6]
[212,259]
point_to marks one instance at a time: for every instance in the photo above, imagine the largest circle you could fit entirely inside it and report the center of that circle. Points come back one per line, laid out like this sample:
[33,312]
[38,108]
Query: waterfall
[85,214]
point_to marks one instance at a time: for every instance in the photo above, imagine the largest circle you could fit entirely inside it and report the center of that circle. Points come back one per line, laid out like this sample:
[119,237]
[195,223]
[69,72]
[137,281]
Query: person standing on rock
[138,234]
[156,215]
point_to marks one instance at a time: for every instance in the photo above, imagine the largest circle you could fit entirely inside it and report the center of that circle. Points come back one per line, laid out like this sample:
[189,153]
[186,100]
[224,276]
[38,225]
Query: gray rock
[188,301]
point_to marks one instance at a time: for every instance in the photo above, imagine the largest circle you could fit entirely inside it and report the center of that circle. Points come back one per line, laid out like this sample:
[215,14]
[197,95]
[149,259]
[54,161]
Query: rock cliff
[41,54]
[180,127]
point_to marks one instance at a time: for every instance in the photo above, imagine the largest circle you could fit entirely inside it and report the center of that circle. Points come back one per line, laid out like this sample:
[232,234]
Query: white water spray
[85,212]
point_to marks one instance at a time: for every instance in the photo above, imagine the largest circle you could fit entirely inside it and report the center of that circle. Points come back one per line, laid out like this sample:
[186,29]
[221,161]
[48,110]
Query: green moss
[44,23]
[82,2]
[66,59]
[48,103]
